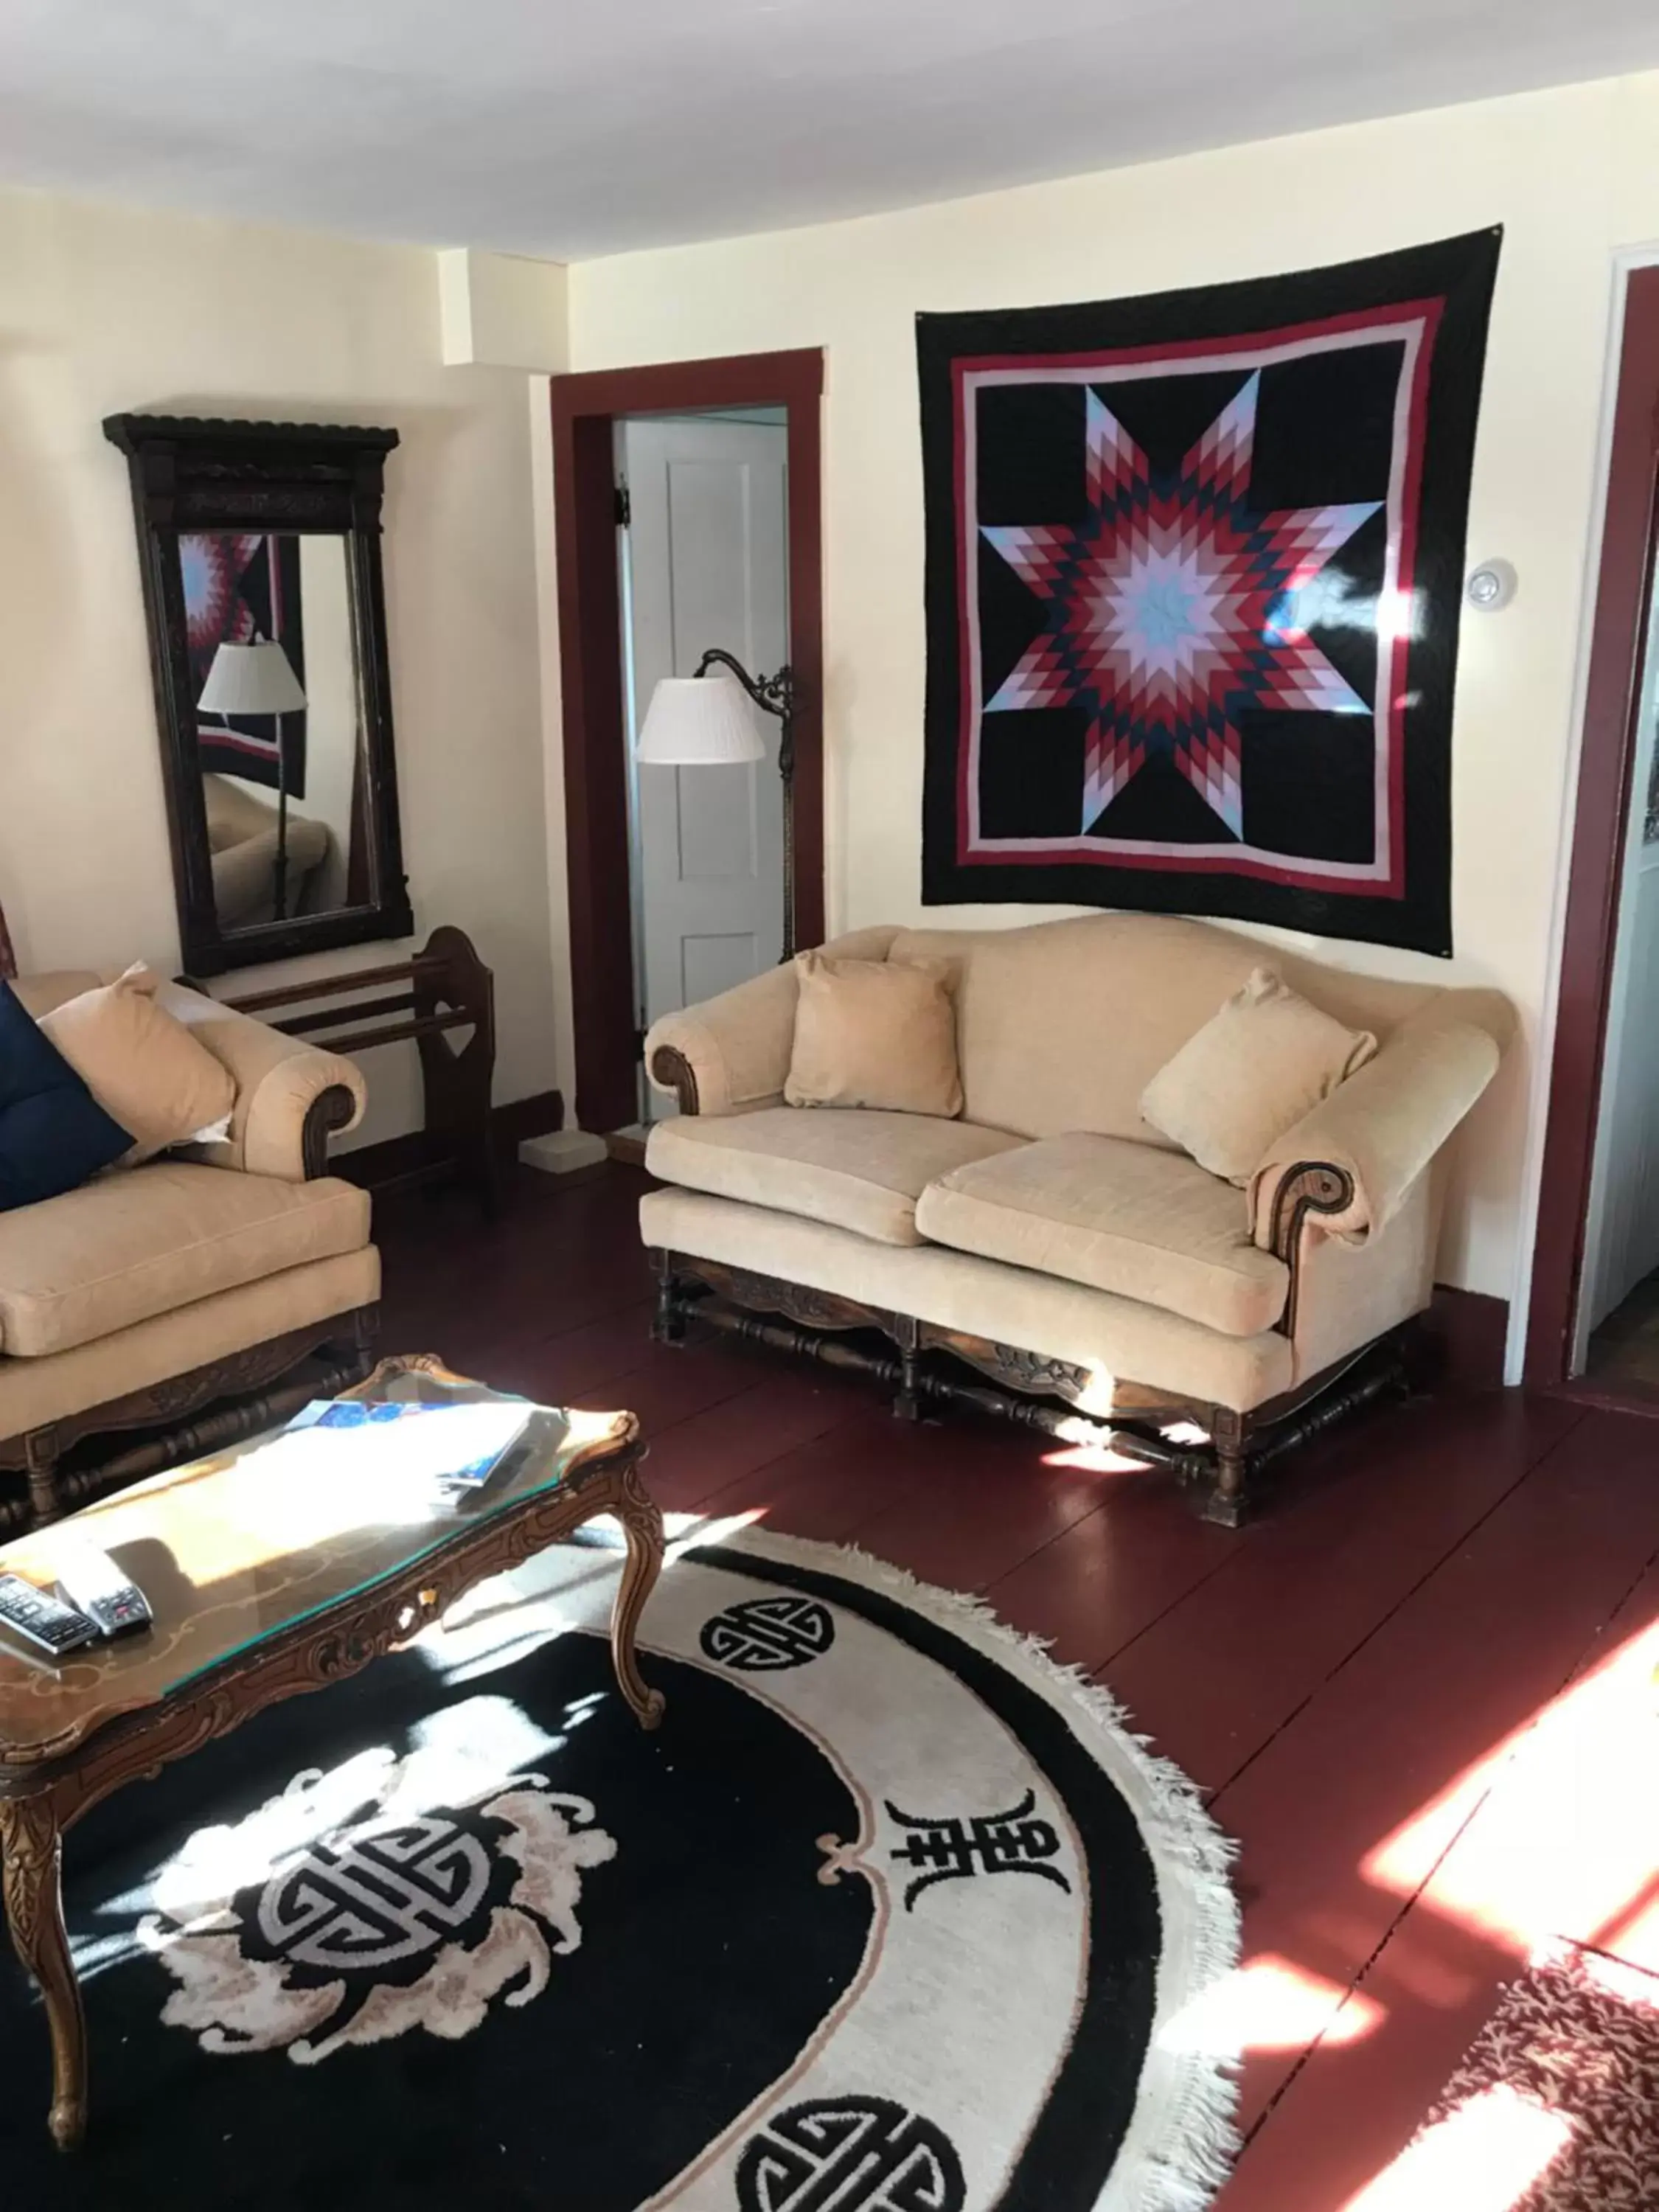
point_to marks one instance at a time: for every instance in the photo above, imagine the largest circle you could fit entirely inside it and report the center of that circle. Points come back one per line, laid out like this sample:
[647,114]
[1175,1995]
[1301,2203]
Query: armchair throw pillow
[878,1033]
[54,1133]
[143,1067]
[1260,1062]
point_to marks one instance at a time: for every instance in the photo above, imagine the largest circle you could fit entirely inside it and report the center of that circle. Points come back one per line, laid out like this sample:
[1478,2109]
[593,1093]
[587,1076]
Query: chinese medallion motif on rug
[1195,567]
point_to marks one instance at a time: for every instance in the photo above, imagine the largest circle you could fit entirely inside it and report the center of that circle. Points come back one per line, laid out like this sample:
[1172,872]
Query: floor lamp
[693,724]
[259,679]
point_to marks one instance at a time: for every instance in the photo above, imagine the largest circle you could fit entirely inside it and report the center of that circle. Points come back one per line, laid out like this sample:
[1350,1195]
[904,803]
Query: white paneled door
[704,564]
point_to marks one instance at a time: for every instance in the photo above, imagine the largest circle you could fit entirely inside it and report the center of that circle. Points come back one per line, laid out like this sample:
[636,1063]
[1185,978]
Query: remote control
[90,1579]
[42,1620]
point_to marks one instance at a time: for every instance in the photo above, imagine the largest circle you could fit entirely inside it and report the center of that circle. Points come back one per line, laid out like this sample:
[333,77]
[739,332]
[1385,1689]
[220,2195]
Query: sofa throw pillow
[879,1033]
[54,1133]
[143,1067]
[1259,1064]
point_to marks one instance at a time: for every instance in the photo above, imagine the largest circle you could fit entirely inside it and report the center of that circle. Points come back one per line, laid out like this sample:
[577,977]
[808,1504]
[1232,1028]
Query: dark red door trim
[1622,593]
[585,408]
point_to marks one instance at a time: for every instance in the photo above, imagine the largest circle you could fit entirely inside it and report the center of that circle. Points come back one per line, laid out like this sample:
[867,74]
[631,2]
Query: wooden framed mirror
[260,548]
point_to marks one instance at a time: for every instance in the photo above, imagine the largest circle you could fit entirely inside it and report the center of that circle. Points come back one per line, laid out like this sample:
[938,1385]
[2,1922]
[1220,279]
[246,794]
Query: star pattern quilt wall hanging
[1195,570]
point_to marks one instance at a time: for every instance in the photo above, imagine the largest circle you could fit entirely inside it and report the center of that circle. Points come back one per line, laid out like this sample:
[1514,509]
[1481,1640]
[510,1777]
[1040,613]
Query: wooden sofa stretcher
[814,1324]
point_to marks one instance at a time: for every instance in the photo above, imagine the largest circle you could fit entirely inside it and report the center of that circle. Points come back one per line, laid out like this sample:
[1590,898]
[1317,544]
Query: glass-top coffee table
[268,1575]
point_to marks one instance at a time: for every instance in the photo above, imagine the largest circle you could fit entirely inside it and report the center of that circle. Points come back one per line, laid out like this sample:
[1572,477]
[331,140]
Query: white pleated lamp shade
[699,721]
[251,679]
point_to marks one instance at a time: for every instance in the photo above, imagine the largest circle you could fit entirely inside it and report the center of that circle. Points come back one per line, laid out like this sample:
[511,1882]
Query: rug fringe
[1198,2142]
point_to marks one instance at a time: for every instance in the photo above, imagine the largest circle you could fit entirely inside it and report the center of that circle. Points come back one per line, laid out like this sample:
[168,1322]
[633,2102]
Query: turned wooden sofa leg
[907,1404]
[1226,1501]
[40,1462]
[668,1323]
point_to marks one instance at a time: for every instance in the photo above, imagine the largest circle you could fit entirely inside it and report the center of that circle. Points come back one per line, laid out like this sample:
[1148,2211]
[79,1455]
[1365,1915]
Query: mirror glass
[283,790]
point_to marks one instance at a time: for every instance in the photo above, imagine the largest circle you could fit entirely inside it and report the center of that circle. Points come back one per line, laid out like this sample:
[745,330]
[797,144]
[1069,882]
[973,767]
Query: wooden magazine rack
[449,988]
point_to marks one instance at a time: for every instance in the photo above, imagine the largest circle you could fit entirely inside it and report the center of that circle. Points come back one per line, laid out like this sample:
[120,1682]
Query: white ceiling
[572,128]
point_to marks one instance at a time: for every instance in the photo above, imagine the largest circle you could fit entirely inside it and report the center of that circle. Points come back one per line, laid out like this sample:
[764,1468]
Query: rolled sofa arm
[1350,1161]
[290,1097]
[730,1055]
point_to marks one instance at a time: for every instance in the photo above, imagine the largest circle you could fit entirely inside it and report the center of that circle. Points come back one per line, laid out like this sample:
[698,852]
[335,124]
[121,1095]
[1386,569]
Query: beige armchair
[194,1287]
[1050,1239]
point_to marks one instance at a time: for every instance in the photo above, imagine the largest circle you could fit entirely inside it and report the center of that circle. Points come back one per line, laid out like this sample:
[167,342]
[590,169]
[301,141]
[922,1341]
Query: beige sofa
[151,1292]
[1050,1239]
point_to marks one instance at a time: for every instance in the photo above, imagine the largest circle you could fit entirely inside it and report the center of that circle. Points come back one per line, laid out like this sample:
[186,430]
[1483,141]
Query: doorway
[702,562]
[1593,1324]
[586,408]
[1616,1322]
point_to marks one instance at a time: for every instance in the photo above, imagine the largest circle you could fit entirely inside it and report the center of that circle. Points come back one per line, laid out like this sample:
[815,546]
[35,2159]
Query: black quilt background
[1323,435]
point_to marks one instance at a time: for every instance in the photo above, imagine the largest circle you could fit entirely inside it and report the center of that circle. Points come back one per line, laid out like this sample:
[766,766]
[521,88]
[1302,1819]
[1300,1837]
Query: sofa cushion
[1263,1060]
[1120,1342]
[144,1068]
[54,1133]
[878,1033]
[33,1392]
[128,1247]
[1117,1216]
[857,1169]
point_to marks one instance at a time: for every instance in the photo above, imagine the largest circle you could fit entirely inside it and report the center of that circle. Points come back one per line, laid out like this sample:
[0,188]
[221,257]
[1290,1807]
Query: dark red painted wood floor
[1419,1689]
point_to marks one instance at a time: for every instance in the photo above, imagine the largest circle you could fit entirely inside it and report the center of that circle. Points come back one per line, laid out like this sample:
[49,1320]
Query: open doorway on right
[1593,1322]
[1593,1312]
[1616,1328]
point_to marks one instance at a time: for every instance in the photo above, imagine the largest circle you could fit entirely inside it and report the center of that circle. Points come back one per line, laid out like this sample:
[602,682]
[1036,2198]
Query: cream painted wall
[104,309]
[1572,174]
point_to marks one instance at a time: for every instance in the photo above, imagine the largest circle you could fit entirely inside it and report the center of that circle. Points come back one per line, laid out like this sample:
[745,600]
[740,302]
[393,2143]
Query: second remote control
[91,1580]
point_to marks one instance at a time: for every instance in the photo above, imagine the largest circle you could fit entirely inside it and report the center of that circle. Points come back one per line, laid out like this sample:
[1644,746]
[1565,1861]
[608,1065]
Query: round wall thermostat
[1491,586]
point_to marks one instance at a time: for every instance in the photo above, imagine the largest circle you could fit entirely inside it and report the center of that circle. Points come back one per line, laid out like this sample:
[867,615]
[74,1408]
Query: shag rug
[1558,2094]
[891,1915]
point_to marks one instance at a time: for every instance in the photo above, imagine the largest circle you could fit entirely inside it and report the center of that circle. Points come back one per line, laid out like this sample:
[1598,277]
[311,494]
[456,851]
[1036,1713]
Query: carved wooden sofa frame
[1029,1387]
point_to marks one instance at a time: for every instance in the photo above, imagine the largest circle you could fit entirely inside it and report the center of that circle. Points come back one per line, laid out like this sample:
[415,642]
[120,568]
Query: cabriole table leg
[641,1522]
[32,1849]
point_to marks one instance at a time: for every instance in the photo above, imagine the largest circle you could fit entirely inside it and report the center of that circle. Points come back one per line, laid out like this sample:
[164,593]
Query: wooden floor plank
[829,1489]
[693,1466]
[1565,1843]
[981,1499]
[1465,1662]
[1112,1574]
[1394,1497]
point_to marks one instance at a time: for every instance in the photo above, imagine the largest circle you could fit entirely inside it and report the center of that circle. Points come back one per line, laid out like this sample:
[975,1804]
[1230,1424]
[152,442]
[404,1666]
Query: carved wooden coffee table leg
[642,1523]
[33,1851]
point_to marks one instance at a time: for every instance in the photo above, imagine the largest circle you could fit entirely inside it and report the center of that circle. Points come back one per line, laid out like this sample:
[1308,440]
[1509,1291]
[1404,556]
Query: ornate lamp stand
[773,695]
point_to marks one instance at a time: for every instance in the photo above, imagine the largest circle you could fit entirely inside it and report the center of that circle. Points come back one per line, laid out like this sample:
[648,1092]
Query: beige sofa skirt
[33,1392]
[1113,1337]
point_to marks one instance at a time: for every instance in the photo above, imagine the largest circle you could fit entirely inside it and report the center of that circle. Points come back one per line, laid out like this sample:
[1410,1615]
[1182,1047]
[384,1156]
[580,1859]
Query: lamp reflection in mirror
[259,679]
[694,722]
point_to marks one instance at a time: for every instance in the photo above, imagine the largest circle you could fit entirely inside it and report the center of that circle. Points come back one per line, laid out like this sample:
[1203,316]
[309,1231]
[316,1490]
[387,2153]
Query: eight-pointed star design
[1173,606]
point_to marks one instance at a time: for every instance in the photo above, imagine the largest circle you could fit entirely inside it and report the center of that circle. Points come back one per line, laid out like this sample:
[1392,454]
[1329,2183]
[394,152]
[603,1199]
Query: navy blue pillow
[54,1133]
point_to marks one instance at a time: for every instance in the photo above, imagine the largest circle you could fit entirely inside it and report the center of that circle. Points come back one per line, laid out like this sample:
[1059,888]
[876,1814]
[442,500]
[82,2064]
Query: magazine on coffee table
[458,1445]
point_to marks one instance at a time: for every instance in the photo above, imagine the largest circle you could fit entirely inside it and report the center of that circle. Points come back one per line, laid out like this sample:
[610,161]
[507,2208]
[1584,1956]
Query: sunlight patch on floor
[1568,1844]
[684,1530]
[1484,2157]
[1270,2003]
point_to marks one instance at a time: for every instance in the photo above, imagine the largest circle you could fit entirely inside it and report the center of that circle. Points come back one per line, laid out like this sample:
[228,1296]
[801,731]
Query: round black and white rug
[891,1915]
